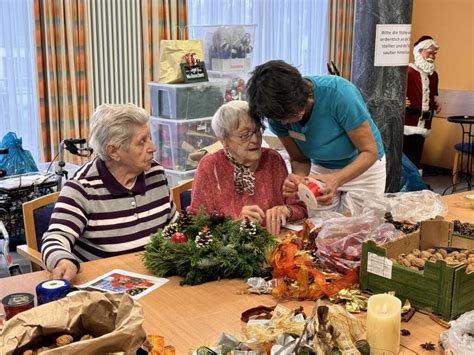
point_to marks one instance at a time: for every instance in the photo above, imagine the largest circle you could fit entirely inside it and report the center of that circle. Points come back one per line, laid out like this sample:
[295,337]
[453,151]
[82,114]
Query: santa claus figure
[422,90]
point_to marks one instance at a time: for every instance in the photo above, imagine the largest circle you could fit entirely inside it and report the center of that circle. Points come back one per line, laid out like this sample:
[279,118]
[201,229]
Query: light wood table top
[191,316]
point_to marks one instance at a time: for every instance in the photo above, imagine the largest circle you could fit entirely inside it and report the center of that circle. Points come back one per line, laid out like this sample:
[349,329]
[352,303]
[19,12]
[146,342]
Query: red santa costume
[422,87]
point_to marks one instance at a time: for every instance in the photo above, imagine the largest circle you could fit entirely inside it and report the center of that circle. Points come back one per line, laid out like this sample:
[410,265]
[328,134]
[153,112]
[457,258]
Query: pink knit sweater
[213,186]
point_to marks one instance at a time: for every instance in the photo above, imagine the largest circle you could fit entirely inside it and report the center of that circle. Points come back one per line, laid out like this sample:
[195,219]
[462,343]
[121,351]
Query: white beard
[424,65]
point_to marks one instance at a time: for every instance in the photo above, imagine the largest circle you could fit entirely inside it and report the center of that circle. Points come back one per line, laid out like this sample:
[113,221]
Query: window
[292,30]
[18,102]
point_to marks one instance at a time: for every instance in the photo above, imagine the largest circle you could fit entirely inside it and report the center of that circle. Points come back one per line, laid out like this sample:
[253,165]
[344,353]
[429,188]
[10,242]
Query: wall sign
[392,45]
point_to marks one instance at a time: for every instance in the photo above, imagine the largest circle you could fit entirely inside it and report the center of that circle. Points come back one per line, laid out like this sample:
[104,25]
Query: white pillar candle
[383,324]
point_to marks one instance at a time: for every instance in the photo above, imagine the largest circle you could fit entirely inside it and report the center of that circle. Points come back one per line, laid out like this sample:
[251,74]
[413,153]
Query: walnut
[470,269]
[438,256]
[432,259]
[43,349]
[451,261]
[460,256]
[425,254]
[28,352]
[406,262]
[414,268]
[453,253]
[64,340]
[470,260]
[410,257]
[86,337]
[431,251]
[443,252]
[418,262]
[416,252]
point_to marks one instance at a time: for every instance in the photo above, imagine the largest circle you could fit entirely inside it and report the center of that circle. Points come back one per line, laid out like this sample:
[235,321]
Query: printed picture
[136,285]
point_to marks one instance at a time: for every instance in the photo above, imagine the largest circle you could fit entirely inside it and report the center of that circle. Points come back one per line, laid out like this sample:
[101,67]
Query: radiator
[115,51]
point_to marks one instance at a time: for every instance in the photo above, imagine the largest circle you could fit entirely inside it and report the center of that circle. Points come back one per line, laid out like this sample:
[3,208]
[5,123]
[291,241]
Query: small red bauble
[178,238]
[217,217]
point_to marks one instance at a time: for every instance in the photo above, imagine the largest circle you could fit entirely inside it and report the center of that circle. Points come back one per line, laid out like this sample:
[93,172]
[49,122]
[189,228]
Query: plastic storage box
[234,83]
[175,140]
[186,101]
[177,177]
[226,47]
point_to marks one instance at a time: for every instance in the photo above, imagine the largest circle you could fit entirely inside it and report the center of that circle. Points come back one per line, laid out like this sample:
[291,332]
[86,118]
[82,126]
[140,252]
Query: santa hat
[424,42]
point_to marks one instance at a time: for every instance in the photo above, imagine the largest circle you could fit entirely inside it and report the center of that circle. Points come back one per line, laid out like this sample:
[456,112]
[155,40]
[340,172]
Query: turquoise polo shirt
[338,108]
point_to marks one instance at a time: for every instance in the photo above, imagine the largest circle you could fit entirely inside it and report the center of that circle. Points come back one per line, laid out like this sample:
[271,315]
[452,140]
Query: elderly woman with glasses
[113,203]
[243,179]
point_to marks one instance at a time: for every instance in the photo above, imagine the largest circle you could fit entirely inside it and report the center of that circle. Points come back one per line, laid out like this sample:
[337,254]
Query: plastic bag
[171,56]
[340,240]
[18,160]
[411,179]
[458,338]
[413,207]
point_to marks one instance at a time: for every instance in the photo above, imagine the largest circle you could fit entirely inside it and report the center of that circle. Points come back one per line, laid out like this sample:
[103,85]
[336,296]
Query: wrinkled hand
[290,185]
[65,269]
[277,217]
[407,102]
[253,212]
[438,107]
[328,192]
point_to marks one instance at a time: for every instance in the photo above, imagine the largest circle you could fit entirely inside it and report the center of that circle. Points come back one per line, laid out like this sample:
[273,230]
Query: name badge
[297,135]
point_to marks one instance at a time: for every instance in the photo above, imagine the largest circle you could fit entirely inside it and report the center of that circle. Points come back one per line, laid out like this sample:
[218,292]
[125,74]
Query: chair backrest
[181,195]
[36,216]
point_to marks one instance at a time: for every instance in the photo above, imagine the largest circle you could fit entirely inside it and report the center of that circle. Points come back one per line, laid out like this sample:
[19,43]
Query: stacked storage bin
[181,124]
[228,51]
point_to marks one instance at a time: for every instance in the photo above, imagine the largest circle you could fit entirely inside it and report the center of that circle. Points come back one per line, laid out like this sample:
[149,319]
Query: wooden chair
[181,195]
[31,250]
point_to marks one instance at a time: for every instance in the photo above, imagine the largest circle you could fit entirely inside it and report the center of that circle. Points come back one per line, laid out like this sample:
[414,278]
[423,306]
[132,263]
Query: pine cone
[169,230]
[184,220]
[203,239]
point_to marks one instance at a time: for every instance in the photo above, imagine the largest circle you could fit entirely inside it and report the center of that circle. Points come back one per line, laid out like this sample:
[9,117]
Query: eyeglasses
[245,137]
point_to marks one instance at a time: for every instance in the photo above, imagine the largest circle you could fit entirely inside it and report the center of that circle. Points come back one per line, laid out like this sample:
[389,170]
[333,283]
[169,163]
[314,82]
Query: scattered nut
[86,337]
[64,340]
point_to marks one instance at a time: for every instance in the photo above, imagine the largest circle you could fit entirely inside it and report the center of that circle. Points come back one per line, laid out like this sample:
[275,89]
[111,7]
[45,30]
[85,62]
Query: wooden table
[191,316]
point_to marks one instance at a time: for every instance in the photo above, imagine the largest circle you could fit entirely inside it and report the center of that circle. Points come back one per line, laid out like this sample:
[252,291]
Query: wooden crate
[439,288]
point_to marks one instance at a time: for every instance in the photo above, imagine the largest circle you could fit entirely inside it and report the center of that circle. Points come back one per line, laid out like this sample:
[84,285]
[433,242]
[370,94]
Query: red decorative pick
[178,238]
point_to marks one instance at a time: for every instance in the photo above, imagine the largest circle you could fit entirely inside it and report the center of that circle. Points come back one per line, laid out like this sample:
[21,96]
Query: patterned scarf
[244,178]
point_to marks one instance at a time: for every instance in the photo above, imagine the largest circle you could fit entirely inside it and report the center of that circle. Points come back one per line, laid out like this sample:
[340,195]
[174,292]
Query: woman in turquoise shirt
[327,130]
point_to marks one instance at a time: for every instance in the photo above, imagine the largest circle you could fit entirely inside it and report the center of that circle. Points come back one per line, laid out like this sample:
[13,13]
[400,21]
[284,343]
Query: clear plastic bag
[18,160]
[458,338]
[413,207]
[340,240]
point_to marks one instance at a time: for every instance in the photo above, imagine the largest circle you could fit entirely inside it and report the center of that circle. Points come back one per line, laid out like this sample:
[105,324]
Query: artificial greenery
[214,249]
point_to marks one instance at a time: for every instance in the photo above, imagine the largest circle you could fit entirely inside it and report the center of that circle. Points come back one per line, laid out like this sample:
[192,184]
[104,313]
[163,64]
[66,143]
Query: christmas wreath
[204,248]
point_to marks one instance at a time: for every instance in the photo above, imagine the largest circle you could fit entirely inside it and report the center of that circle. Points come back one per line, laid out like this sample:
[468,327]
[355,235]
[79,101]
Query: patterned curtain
[162,19]
[341,19]
[62,72]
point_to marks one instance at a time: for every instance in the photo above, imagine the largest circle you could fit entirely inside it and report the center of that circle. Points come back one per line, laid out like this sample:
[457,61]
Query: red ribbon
[315,189]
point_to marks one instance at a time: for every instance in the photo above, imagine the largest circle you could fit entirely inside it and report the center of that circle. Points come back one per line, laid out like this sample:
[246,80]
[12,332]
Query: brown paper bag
[171,56]
[115,321]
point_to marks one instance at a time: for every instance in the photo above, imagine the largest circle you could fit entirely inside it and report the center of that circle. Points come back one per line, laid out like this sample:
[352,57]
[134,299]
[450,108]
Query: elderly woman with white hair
[243,179]
[113,203]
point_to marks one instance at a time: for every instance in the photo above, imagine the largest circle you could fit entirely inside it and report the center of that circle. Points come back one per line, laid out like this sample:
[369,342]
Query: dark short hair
[276,90]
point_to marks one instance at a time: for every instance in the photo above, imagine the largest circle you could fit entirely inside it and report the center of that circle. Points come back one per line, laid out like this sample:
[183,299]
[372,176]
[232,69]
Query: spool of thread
[308,193]
[16,303]
[52,290]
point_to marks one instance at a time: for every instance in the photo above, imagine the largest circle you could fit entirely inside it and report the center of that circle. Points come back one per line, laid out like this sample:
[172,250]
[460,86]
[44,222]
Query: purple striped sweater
[96,217]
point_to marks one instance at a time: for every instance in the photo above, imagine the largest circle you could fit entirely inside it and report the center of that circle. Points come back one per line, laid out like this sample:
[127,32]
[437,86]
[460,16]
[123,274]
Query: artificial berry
[178,238]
